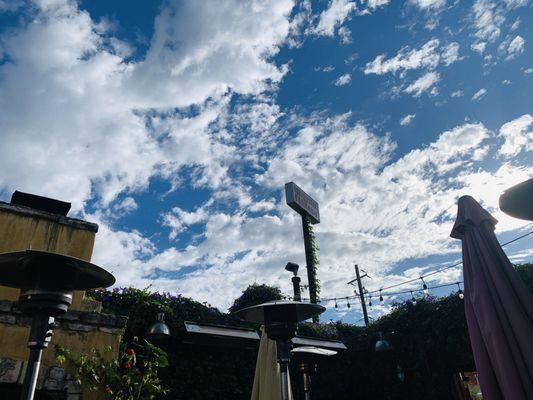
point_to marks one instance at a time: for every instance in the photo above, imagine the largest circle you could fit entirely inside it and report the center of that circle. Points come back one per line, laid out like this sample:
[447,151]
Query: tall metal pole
[296,288]
[361,294]
[310,261]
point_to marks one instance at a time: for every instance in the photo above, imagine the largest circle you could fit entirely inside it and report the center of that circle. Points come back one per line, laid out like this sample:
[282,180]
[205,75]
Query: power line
[393,294]
[382,291]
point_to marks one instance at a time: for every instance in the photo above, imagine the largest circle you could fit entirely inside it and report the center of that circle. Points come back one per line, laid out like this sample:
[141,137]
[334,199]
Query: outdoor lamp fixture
[517,200]
[293,267]
[460,292]
[280,319]
[307,357]
[425,287]
[46,282]
[159,329]
[413,300]
[382,345]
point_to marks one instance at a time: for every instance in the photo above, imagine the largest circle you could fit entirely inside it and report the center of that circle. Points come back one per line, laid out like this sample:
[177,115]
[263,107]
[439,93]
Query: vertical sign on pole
[307,207]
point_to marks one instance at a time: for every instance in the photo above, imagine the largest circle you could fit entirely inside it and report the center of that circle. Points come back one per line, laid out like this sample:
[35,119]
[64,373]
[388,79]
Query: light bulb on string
[425,288]
[413,300]
[380,297]
[370,301]
[348,303]
[336,305]
[460,292]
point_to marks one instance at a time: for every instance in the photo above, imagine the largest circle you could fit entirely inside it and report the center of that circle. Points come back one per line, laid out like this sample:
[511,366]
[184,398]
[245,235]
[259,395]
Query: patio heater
[46,282]
[307,357]
[280,319]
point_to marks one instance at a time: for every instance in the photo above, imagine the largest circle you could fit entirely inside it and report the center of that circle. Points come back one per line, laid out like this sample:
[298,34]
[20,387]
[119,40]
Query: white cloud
[479,47]
[373,4]
[458,93]
[345,35]
[428,56]
[407,119]
[333,17]
[10,5]
[479,94]
[343,80]
[348,169]
[450,53]
[422,84]
[488,18]
[178,220]
[104,122]
[518,136]
[528,71]
[516,47]
[516,3]
[506,82]
[428,4]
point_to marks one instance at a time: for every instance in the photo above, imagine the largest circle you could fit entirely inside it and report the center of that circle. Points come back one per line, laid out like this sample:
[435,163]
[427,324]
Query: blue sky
[175,124]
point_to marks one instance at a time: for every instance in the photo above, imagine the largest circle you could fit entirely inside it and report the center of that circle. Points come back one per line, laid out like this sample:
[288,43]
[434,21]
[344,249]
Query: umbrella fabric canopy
[498,307]
[266,379]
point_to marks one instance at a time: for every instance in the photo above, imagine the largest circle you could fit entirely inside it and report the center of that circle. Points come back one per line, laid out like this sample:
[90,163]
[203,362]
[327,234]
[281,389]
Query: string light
[380,297]
[425,288]
[460,292]
[383,290]
[413,300]
[348,303]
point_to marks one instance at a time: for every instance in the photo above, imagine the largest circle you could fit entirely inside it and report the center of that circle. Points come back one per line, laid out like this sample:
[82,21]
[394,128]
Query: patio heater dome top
[47,280]
[517,201]
[280,311]
[21,269]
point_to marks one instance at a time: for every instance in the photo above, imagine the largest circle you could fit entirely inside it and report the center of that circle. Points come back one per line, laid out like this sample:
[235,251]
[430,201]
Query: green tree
[256,294]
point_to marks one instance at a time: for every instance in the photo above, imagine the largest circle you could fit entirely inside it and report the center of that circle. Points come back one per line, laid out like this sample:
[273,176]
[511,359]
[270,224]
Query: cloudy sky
[175,124]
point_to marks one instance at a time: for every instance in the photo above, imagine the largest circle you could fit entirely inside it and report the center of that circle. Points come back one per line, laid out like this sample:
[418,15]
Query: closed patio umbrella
[267,377]
[498,307]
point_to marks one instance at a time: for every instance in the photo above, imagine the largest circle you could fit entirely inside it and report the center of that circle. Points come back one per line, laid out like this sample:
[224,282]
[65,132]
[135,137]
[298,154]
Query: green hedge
[430,343]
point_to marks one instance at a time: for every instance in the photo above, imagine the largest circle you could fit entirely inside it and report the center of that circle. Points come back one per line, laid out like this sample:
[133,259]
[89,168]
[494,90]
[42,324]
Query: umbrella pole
[40,335]
[282,348]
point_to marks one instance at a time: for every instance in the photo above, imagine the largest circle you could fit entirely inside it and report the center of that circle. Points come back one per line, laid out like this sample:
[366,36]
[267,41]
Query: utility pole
[361,291]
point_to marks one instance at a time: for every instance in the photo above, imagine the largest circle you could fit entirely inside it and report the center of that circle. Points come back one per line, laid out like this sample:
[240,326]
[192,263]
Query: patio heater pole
[40,336]
[283,352]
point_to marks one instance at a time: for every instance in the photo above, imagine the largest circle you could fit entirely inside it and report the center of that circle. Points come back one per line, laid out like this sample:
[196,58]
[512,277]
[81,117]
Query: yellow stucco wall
[14,342]
[19,232]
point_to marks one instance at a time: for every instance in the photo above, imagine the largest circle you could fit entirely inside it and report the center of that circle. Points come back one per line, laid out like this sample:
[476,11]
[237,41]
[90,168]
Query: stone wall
[78,331]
